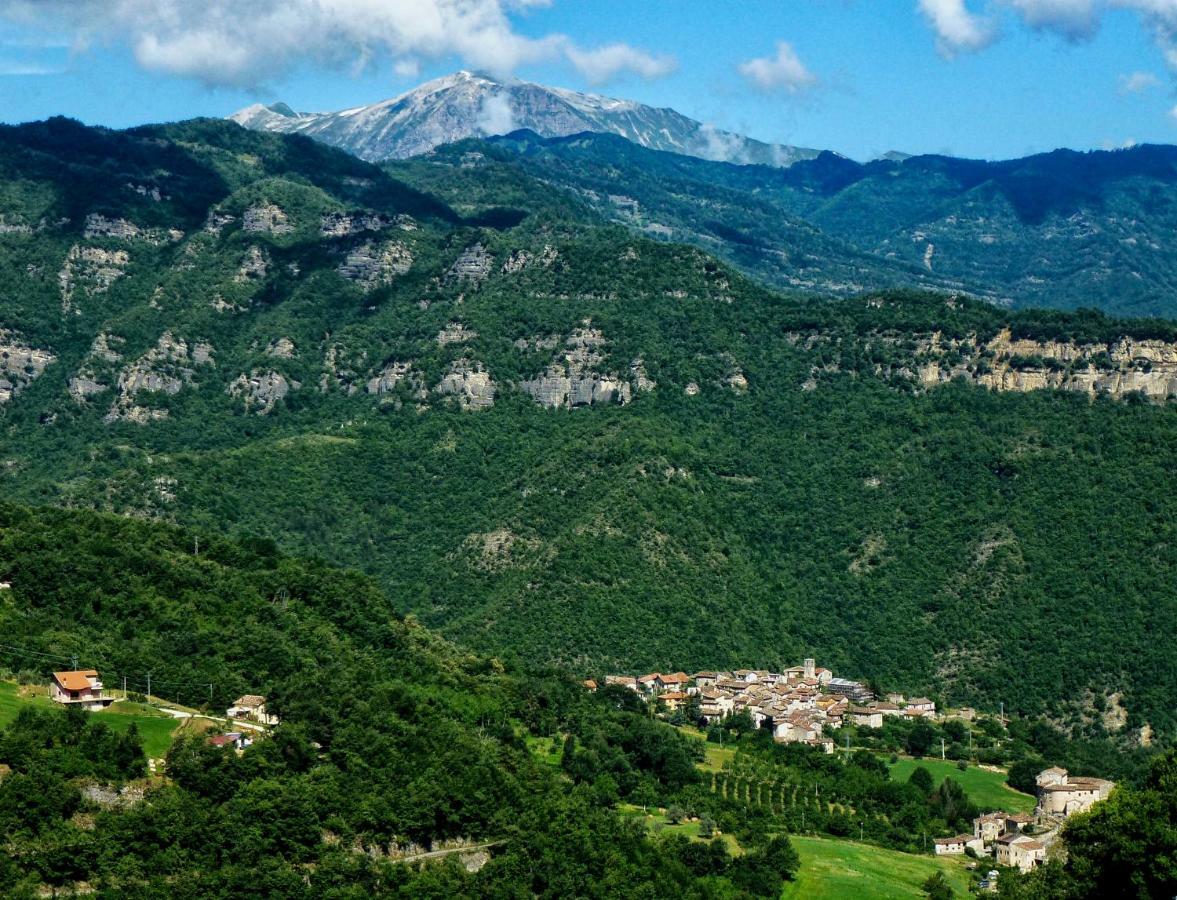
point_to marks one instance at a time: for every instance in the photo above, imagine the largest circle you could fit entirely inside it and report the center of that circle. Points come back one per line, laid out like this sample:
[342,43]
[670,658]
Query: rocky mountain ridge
[470,104]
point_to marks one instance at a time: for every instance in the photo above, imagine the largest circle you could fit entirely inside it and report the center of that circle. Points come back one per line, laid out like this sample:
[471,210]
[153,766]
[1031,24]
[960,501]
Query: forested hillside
[1061,229]
[548,437]
[393,743]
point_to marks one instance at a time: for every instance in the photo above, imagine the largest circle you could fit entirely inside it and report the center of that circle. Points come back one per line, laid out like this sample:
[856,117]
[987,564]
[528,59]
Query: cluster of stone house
[1003,834]
[1000,835]
[802,703]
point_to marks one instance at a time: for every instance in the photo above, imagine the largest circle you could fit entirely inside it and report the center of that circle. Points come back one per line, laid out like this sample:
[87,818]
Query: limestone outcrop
[468,384]
[472,266]
[339,224]
[1005,363]
[374,265]
[98,226]
[281,348]
[266,218]
[455,333]
[164,369]
[576,377]
[20,364]
[89,271]
[392,374]
[94,375]
[254,265]
[261,391]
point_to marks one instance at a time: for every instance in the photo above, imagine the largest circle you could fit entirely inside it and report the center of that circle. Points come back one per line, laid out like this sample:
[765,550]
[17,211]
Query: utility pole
[860,832]
[942,756]
[124,687]
[210,696]
[1002,713]
[148,687]
[73,661]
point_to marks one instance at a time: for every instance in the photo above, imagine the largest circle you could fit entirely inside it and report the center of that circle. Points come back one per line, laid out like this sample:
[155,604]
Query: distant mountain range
[1062,229]
[468,104]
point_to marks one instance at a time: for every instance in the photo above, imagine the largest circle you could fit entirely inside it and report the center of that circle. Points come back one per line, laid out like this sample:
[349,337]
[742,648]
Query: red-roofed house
[79,688]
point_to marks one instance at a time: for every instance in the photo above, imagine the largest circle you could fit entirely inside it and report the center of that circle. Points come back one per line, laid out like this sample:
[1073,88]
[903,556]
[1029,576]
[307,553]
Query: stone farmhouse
[1020,851]
[82,688]
[1061,795]
[251,707]
[954,845]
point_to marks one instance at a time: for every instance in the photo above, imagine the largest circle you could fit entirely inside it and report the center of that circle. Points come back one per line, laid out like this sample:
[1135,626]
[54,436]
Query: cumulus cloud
[495,116]
[605,63]
[245,44]
[1138,82]
[957,29]
[1074,20]
[783,72]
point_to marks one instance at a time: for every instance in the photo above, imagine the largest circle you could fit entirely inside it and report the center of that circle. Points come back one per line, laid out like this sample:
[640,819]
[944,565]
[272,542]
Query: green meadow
[987,789]
[155,728]
[846,870]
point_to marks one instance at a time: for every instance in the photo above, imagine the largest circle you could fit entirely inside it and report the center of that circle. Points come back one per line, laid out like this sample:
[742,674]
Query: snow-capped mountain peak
[474,104]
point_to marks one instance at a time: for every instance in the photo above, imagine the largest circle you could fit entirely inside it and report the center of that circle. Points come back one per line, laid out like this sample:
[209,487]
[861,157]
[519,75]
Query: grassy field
[845,870]
[987,789]
[155,728]
[547,750]
[657,823]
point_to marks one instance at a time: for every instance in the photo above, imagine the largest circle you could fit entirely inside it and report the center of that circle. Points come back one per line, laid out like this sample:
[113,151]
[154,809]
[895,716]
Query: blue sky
[985,78]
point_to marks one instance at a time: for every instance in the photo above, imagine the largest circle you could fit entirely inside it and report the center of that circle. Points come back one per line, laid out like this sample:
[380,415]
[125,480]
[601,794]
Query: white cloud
[495,115]
[1138,82]
[783,72]
[957,29]
[602,64]
[407,67]
[245,44]
[721,146]
[1074,20]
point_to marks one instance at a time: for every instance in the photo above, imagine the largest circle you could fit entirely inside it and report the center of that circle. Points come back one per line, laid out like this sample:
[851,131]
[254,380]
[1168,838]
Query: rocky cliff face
[1005,363]
[575,377]
[19,364]
[467,104]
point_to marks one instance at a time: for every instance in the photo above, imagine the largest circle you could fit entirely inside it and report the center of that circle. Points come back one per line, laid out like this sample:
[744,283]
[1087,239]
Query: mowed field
[156,729]
[987,789]
[846,870]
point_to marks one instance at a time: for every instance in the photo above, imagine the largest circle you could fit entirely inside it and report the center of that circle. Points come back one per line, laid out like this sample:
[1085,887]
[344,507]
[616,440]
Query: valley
[413,450]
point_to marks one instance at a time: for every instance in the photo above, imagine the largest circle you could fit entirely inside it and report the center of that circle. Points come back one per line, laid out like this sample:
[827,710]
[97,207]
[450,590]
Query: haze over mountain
[1061,229]
[469,104]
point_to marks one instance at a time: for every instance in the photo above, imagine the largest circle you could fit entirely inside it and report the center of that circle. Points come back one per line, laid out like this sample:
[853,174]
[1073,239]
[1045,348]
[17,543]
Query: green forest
[394,743]
[778,484]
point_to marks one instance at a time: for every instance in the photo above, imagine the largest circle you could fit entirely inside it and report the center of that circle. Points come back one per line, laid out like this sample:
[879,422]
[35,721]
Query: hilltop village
[804,703]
